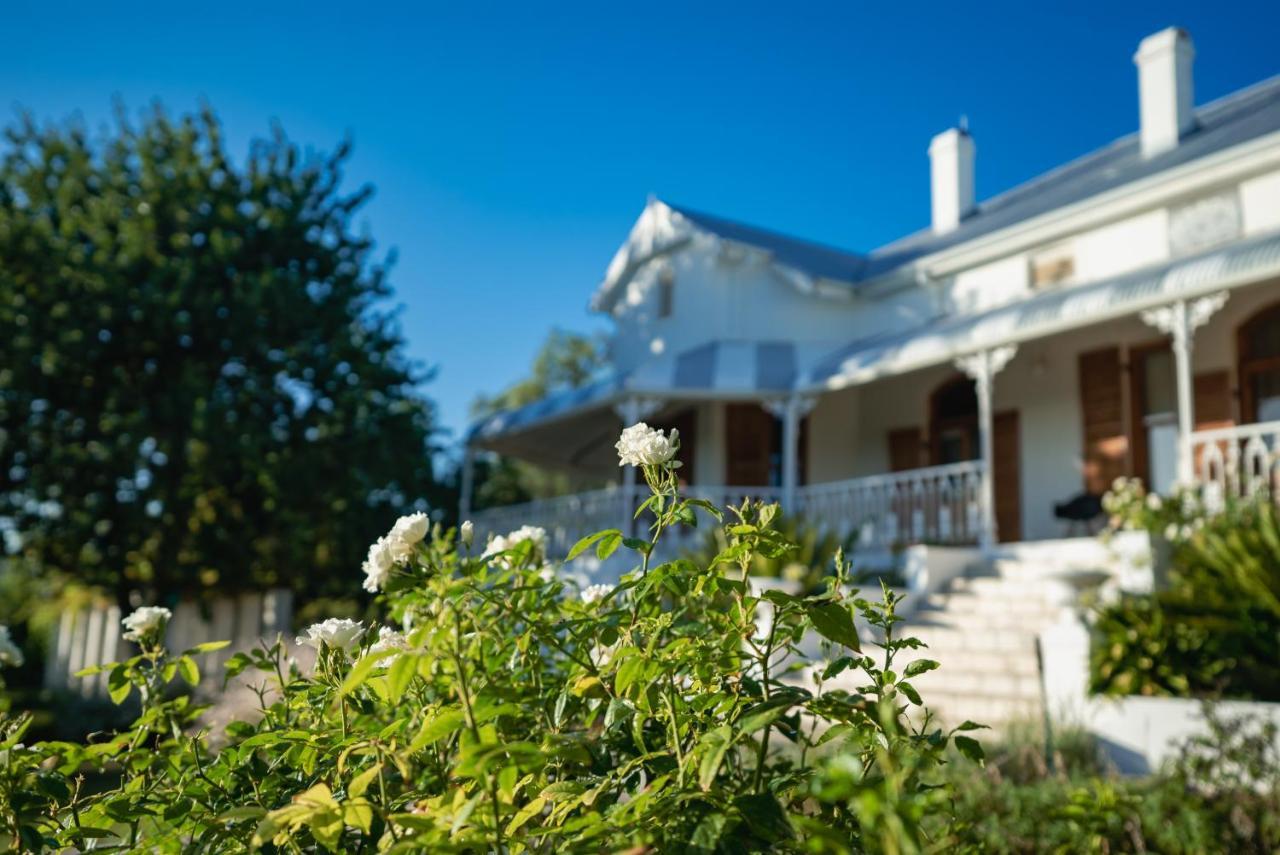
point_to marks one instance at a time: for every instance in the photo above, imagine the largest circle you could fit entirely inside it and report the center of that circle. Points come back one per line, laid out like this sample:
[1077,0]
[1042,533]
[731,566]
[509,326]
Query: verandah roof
[762,370]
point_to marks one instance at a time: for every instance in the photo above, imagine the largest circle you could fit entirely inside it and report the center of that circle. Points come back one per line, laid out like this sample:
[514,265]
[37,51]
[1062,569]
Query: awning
[1051,312]
[724,370]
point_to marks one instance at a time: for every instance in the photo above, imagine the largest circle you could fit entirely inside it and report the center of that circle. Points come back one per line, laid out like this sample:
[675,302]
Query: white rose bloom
[405,534]
[377,566]
[1153,501]
[389,639]
[10,654]
[641,445]
[595,593]
[532,533]
[144,621]
[467,533]
[342,633]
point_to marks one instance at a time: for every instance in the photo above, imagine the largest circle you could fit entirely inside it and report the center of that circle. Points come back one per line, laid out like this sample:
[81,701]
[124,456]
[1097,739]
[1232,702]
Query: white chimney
[951,173]
[1164,89]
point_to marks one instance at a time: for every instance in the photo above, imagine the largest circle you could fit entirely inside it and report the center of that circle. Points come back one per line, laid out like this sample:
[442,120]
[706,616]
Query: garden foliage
[499,708]
[1214,629]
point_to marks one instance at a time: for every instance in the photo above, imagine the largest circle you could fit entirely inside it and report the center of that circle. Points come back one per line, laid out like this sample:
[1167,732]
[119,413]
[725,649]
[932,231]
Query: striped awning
[714,370]
[1049,313]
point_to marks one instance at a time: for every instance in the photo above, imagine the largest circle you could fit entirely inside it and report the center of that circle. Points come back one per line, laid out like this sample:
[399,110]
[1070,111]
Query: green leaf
[582,545]
[188,670]
[706,836]
[834,623]
[971,725]
[920,666]
[443,724]
[911,693]
[971,748]
[360,671]
[118,685]
[526,813]
[714,744]
[838,667]
[641,546]
[400,674]
[765,713]
[361,782]
[207,647]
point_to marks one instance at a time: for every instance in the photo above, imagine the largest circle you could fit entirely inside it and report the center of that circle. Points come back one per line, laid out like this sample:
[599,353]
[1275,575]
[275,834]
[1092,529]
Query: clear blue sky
[513,145]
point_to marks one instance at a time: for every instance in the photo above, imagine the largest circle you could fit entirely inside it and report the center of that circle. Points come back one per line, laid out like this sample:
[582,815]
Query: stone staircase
[983,628]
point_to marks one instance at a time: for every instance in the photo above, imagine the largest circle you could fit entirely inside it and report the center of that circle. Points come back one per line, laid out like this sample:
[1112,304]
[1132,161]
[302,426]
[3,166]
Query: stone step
[1022,663]
[1030,625]
[968,602]
[991,711]
[943,683]
[1029,591]
[956,641]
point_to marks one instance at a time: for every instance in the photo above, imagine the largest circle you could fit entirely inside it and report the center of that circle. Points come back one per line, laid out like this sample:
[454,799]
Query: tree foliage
[566,360]
[199,387]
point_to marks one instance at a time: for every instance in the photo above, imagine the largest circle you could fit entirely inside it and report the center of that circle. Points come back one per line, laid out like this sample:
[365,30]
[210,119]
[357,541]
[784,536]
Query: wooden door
[906,449]
[685,421]
[749,444]
[1106,443]
[1006,475]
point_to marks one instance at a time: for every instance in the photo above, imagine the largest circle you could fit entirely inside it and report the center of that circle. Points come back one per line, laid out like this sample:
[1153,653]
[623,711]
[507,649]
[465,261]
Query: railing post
[982,367]
[1179,321]
[791,411]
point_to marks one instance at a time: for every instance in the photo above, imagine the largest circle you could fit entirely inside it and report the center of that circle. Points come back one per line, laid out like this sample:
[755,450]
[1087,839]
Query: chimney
[1164,89]
[951,174]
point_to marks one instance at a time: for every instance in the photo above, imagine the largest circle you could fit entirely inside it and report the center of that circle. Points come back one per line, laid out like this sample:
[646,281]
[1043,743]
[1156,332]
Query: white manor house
[1116,316]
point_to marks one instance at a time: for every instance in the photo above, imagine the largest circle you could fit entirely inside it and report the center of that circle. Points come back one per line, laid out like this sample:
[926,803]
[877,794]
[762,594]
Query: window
[666,294]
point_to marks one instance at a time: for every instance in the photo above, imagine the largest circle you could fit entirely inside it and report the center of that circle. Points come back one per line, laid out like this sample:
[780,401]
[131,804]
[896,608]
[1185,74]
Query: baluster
[1255,465]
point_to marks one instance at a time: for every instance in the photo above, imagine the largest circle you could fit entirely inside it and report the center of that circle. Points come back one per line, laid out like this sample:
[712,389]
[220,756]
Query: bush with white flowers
[498,707]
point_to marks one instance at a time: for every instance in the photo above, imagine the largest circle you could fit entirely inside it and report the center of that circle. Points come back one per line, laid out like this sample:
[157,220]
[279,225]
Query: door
[750,440]
[1006,475]
[1154,431]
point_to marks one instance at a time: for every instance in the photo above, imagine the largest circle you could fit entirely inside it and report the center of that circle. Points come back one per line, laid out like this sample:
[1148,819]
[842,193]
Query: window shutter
[1213,400]
[906,448]
[1106,448]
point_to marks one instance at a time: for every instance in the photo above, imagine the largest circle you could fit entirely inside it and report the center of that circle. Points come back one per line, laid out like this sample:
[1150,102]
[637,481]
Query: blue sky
[512,145]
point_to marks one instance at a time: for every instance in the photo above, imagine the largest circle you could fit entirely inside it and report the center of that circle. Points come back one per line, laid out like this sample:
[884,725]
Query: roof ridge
[687,211]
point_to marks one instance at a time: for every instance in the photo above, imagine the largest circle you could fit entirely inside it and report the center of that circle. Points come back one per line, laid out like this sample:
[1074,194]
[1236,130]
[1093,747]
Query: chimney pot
[951,156]
[1165,96]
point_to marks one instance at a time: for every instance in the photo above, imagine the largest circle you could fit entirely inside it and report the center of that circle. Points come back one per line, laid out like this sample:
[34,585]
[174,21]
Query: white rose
[145,621]
[1153,501]
[530,533]
[377,566]
[10,654]
[641,445]
[595,593]
[340,633]
[389,639]
[405,534]
[467,533]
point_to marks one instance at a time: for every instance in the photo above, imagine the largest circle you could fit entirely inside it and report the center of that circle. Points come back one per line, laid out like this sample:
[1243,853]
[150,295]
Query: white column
[791,411]
[982,367]
[1179,321]
[466,484]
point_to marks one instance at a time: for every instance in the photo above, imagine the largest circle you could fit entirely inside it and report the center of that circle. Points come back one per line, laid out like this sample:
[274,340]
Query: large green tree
[200,387]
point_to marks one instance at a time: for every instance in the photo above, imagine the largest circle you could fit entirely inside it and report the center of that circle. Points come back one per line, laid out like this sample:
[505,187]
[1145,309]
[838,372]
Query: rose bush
[500,708]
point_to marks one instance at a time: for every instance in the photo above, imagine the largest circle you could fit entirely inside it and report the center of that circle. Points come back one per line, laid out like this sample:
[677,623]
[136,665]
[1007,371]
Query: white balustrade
[936,504]
[1237,462]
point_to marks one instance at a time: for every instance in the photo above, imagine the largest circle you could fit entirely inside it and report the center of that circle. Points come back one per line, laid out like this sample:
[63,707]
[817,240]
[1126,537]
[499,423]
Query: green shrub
[1215,630]
[512,713]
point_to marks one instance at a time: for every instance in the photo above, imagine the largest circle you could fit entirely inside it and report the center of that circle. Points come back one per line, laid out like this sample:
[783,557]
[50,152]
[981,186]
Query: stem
[763,750]
[464,695]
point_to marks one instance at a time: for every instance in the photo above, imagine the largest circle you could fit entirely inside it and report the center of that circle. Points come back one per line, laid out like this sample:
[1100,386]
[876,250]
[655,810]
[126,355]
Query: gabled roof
[1237,118]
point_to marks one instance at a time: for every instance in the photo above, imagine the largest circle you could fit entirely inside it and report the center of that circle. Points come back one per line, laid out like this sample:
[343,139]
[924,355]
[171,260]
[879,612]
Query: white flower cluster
[531,533]
[389,639]
[339,633]
[145,621]
[393,548]
[10,654]
[595,593]
[641,445]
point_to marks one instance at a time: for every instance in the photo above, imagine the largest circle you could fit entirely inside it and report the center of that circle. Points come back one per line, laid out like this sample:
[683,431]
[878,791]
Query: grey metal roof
[1237,118]
[1241,263]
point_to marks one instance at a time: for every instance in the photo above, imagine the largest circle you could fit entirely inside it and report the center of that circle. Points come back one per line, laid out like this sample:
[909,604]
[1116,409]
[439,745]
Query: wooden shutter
[748,443]
[906,449]
[1213,400]
[1106,448]
[1006,475]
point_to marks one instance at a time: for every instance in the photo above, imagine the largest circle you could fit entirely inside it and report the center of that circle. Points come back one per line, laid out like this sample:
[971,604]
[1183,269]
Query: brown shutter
[1213,400]
[1106,447]
[748,442]
[1006,475]
[906,448]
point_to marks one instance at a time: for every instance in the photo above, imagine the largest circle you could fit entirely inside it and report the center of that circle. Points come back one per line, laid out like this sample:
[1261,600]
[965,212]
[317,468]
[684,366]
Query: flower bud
[467,533]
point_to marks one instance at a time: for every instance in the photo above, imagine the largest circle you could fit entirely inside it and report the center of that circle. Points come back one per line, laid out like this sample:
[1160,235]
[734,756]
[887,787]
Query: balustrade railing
[936,504]
[1237,462]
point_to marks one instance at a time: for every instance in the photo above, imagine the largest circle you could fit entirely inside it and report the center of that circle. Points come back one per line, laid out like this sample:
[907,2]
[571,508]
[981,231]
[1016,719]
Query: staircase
[983,629]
